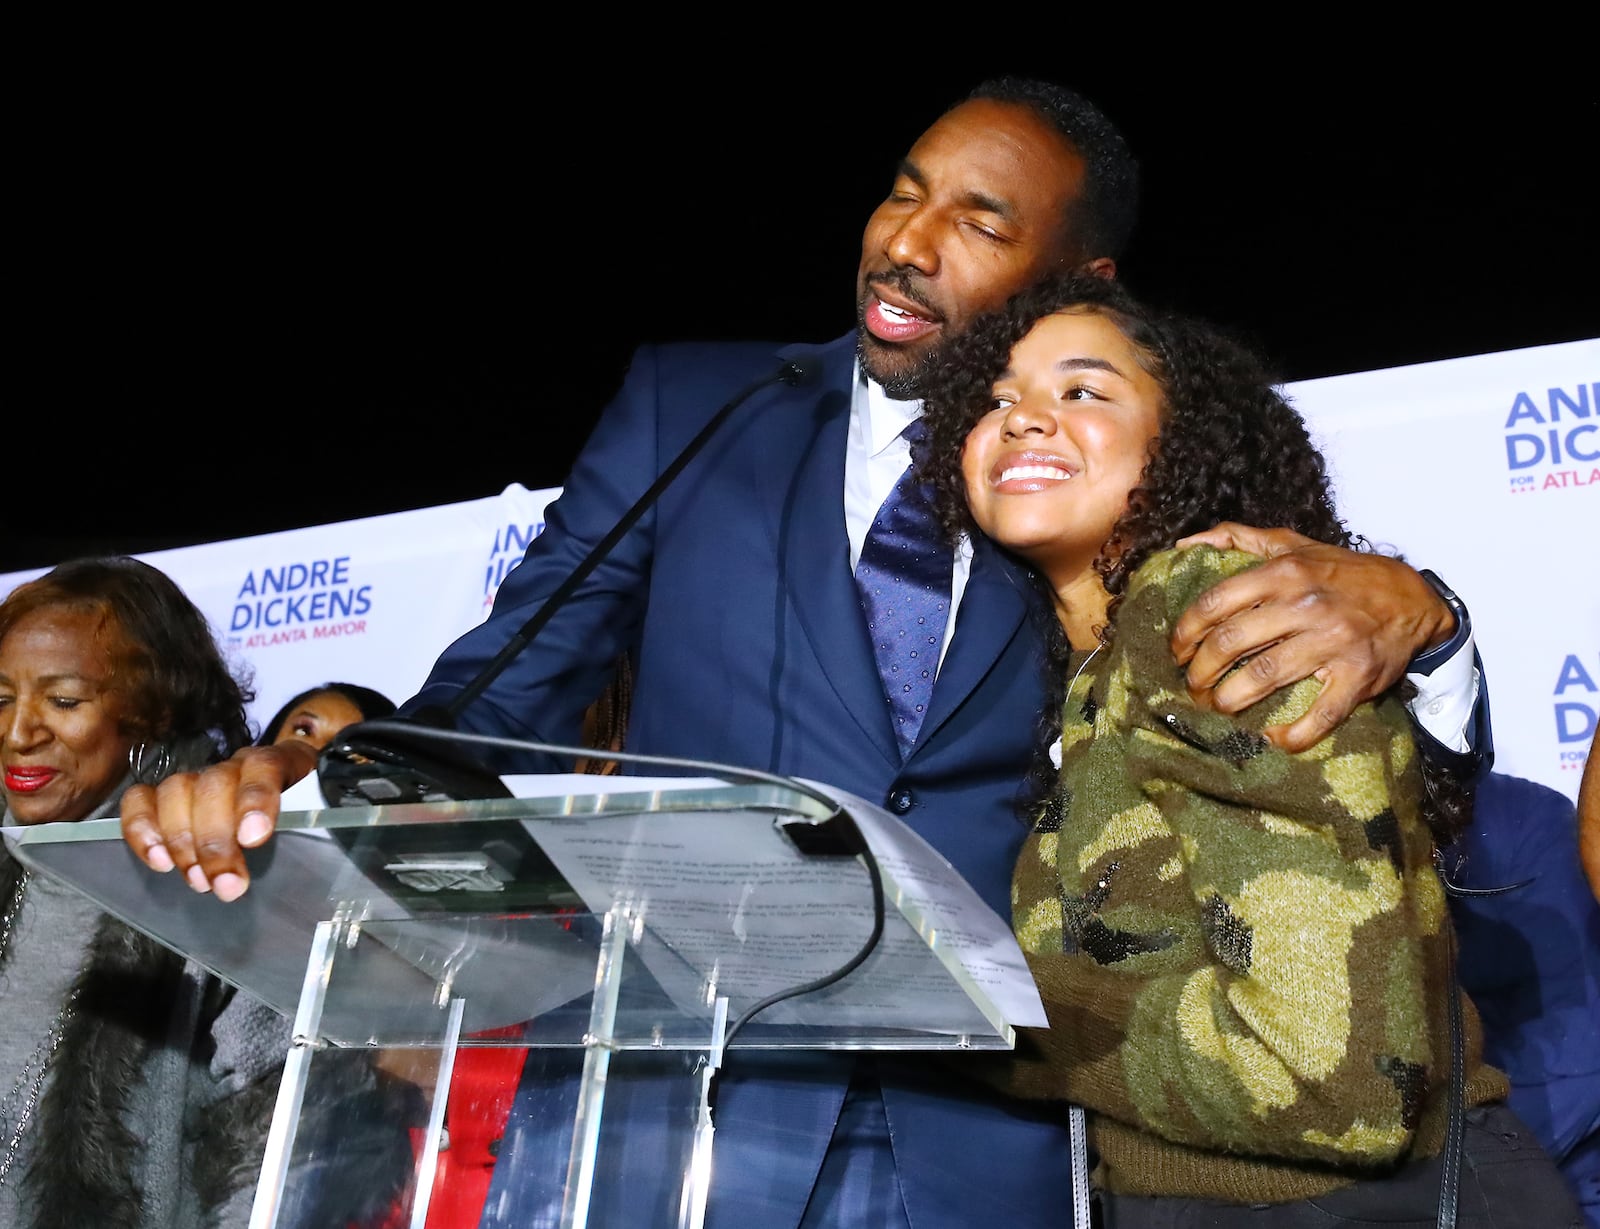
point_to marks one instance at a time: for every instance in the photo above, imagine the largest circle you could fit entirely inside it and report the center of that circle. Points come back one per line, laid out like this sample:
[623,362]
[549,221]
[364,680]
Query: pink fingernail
[228,886]
[254,828]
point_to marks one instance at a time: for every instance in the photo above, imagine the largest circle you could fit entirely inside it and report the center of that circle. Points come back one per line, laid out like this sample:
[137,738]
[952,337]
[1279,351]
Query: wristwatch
[1432,659]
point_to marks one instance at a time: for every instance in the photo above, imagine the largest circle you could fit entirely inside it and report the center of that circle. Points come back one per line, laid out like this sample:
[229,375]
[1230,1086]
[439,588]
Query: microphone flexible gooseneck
[794,372]
[393,760]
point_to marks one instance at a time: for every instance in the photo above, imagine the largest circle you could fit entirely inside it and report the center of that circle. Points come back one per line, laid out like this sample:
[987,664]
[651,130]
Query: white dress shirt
[876,455]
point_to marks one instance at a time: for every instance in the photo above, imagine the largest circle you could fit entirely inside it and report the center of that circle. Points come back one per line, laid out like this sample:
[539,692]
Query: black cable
[1461,891]
[842,820]
[839,974]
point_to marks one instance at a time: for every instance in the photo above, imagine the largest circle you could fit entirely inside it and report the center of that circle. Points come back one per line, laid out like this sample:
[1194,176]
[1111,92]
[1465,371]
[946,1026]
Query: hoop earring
[151,762]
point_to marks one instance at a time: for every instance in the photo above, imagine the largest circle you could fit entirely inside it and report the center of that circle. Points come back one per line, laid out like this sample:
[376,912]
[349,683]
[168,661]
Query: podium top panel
[738,890]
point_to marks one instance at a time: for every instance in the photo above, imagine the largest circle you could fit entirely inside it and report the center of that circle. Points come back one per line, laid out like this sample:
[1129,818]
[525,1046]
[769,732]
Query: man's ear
[1101,266]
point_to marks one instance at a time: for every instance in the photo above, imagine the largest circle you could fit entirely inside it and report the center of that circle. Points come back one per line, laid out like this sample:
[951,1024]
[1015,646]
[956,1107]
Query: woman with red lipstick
[135,1088]
[1245,953]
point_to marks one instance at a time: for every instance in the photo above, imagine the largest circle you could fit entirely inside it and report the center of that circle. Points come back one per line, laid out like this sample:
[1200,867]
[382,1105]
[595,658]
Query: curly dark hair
[164,657]
[1231,448]
[1101,221]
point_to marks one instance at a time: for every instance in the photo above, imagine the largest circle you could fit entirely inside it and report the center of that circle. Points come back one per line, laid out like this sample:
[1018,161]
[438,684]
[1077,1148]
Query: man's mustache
[901,283]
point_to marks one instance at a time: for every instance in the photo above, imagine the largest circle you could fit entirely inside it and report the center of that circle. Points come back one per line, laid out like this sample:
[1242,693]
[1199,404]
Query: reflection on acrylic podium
[605,925]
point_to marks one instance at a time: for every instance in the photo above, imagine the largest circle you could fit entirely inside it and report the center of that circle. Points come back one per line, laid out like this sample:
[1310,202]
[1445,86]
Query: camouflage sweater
[1242,952]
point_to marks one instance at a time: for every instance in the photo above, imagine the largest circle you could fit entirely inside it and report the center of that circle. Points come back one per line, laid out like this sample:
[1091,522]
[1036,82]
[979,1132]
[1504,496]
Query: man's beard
[902,383]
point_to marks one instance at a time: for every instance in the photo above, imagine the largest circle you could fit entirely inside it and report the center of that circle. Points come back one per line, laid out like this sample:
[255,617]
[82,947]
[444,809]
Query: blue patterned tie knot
[904,576]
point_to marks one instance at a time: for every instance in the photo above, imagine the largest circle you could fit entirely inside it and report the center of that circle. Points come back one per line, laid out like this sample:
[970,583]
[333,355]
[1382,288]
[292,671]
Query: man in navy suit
[735,596]
[1528,926]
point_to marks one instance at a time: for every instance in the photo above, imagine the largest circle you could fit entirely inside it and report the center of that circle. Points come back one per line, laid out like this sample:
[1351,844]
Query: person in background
[138,1087]
[108,673]
[1526,913]
[737,599]
[318,713]
[605,722]
[1589,817]
[1243,951]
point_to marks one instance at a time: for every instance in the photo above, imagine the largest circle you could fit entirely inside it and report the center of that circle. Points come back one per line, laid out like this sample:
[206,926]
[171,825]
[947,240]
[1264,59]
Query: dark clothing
[1530,961]
[1506,1183]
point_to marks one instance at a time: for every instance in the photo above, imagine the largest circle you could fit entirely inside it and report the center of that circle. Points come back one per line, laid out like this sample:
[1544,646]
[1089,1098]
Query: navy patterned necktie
[904,576]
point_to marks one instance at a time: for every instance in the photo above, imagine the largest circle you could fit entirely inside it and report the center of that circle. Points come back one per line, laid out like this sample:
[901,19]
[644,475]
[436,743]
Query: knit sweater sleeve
[1228,937]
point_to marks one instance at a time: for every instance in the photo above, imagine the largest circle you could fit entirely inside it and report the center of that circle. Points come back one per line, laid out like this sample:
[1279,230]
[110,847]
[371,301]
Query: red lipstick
[29,780]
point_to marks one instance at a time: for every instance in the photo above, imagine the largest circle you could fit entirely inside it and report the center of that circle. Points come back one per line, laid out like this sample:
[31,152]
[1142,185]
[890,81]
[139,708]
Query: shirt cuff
[1446,698]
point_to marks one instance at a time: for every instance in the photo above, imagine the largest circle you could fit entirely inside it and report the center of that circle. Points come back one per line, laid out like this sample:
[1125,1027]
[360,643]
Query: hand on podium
[202,822]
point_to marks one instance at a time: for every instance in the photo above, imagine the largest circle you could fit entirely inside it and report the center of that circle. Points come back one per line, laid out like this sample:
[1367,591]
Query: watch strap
[1429,661]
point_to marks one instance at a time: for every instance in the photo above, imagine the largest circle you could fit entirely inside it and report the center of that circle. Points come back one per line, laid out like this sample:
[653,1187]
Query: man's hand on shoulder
[1350,618]
[201,822]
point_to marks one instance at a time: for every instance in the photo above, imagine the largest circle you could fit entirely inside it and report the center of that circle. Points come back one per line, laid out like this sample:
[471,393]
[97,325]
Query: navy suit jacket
[1530,961]
[735,593]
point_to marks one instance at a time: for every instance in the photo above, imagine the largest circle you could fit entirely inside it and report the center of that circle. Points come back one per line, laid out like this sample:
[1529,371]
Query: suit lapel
[992,609]
[814,551]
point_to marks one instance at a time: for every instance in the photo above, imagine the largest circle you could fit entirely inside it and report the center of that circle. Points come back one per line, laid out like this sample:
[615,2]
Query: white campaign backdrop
[1485,469]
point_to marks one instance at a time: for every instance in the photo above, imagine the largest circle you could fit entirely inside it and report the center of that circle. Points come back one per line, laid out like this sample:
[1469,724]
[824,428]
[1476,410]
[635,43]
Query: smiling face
[317,718]
[976,213]
[1049,469]
[63,738]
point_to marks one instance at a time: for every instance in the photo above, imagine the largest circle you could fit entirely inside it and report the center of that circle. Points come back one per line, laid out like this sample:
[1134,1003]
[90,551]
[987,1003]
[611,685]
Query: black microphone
[383,766]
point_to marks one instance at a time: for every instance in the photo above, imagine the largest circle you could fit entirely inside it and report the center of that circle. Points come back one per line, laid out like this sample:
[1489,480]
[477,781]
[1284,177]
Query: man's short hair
[1101,222]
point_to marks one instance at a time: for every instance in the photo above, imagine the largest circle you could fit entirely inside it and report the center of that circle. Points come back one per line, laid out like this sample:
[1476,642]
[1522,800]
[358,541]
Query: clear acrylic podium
[607,925]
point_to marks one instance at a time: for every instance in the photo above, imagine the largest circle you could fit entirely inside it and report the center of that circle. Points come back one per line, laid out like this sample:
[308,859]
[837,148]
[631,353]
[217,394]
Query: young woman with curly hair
[1244,952]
